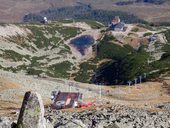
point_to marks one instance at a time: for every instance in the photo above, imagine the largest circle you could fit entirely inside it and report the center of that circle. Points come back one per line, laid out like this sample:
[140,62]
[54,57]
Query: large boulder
[32,112]
[5,122]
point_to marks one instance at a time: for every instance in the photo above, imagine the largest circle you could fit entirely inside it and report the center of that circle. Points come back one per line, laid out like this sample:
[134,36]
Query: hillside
[14,11]
[157,2]
[82,12]
[44,58]
[38,45]
[123,57]
[44,50]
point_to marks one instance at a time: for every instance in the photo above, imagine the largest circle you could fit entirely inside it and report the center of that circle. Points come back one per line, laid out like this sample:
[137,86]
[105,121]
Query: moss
[107,49]
[125,63]
[92,23]
[135,29]
[146,26]
[60,69]
[20,126]
[10,54]
[87,70]
[147,34]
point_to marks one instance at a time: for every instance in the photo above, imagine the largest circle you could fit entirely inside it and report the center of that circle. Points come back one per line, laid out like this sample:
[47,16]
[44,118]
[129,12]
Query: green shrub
[147,34]
[135,29]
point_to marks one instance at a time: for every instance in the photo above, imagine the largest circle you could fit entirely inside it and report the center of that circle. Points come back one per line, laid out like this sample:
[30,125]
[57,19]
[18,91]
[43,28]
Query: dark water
[82,43]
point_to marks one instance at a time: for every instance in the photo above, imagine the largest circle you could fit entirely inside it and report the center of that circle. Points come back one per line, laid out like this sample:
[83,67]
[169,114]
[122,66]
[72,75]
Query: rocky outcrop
[32,112]
[163,106]
[5,122]
[117,116]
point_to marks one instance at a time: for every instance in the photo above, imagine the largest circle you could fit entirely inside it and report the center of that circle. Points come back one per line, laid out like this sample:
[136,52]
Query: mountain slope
[117,62]
[14,10]
[81,12]
[44,50]
[37,48]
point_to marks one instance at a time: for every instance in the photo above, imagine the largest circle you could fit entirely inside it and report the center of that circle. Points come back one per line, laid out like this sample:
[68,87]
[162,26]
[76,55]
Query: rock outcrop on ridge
[32,112]
[117,116]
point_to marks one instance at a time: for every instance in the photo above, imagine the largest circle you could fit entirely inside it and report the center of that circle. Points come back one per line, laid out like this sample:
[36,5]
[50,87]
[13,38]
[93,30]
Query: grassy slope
[125,63]
[48,37]
[164,63]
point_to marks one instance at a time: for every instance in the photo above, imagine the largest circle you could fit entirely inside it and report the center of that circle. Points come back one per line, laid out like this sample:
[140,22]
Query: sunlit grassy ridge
[45,50]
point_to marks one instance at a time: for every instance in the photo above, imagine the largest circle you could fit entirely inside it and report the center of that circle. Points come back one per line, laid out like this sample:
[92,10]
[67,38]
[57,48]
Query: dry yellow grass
[148,12]
[135,41]
[104,61]
[142,96]
[7,84]
[8,108]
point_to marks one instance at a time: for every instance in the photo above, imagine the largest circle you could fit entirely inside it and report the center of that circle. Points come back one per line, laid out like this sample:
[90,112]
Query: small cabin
[63,100]
[117,25]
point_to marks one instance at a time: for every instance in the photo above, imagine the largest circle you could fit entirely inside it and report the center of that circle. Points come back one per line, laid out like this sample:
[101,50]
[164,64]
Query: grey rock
[165,106]
[32,112]
[70,124]
[119,125]
[80,123]
[5,122]
[49,124]
[116,117]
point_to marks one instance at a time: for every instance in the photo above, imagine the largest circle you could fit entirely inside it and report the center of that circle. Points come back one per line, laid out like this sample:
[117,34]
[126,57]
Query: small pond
[82,43]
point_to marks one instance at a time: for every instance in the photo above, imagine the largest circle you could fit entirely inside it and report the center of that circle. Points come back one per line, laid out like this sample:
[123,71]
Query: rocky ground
[117,116]
[119,110]
[122,116]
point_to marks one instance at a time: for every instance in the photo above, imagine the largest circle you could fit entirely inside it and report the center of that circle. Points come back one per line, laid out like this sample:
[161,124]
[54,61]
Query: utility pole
[129,83]
[67,84]
[99,87]
[135,81]
[69,88]
[140,79]
[100,91]
[70,84]
[144,75]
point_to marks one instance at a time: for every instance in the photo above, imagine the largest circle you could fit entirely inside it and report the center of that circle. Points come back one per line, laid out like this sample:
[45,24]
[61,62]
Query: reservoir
[82,43]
